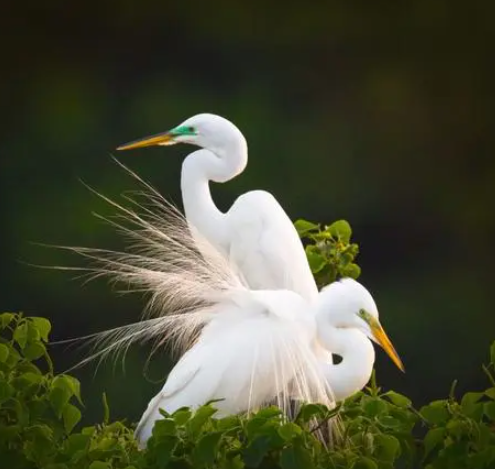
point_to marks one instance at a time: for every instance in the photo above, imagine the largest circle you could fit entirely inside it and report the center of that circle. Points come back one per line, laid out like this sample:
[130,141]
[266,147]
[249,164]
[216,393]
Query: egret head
[204,130]
[347,304]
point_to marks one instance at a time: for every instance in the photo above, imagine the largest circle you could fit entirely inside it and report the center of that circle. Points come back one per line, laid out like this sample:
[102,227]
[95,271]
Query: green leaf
[351,270]
[490,393]
[34,350]
[432,439]
[21,334]
[99,465]
[316,261]
[6,319]
[70,384]
[43,326]
[200,417]
[182,416]
[310,411]
[389,422]
[470,405]
[288,431]
[398,399]
[6,391]
[71,416]
[365,463]
[77,442]
[303,226]
[296,457]
[489,410]
[59,397]
[164,427]
[341,230]
[255,452]
[436,412]
[388,447]
[205,450]
[268,412]
[4,353]
[492,354]
[373,406]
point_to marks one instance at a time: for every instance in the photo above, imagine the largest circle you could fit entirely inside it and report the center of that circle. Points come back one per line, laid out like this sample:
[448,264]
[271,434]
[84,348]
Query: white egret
[244,346]
[256,233]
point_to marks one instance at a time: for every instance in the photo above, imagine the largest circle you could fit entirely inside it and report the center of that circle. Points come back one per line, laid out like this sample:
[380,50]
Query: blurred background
[381,114]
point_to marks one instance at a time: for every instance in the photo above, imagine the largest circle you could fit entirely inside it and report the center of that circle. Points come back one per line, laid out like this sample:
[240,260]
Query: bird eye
[191,129]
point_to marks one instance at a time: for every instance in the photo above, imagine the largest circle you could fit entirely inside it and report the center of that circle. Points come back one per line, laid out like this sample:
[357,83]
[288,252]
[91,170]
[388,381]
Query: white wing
[266,247]
[256,347]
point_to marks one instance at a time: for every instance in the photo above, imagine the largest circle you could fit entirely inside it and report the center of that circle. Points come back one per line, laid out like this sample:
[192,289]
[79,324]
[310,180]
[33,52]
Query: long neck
[358,356]
[198,169]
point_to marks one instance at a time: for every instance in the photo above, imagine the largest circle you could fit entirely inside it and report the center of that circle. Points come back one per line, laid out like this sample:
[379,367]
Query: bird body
[254,348]
[256,234]
[245,346]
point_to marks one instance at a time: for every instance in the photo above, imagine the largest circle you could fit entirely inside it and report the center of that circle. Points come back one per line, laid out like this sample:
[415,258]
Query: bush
[40,410]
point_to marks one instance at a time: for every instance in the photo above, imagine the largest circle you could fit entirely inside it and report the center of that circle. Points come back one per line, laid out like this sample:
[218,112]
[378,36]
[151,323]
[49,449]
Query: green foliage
[329,250]
[40,411]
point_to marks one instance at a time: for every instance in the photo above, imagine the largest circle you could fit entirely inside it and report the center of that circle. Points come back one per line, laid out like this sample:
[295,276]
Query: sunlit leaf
[71,416]
[43,326]
[21,334]
[303,226]
[6,319]
[341,230]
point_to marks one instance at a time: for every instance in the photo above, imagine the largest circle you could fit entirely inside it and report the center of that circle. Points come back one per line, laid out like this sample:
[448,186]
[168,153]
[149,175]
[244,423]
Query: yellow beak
[165,138]
[381,337]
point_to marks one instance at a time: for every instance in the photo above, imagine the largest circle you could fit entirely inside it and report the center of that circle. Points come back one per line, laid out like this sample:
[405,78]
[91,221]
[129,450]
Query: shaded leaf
[254,453]
[288,431]
[436,412]
[4,353]
[388,447]
[365,463]
[164,427]
[6,391]
[489,410]
[206,448]
[432,439]
[373,406]
[296,457]
[398,399]
[71,416]
[34,350]
[99,465]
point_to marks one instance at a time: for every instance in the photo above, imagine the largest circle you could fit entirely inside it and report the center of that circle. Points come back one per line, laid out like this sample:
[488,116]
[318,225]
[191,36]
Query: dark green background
[381,114]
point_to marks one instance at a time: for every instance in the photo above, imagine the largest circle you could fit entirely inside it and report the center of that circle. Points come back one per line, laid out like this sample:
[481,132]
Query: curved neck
[358,356]
[198,169]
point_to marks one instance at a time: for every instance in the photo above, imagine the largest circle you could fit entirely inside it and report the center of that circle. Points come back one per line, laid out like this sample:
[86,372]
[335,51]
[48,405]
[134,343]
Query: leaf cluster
[329,250]
[40,412]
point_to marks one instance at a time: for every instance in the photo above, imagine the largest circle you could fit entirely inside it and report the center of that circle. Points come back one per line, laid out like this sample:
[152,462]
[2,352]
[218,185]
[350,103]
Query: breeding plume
[245,346]
[255,234]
